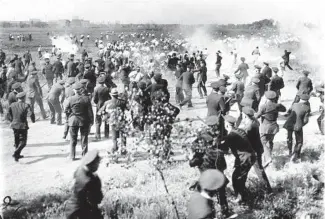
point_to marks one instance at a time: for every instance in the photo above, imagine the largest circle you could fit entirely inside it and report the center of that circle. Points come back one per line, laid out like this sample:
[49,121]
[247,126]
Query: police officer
[237,89]
[101,95]
[251,126]
[208,154]
[71,67]
[245,157]
[18,113]
[269,113]
[252,95]
[35,93]
[267,71]
[86,193]
[80,113]
[55,103]
[58,69]
[48,72]
[19,66]
[201,204]
[276,83]
[69,92]
[263,80]
[188,81]
[297,119]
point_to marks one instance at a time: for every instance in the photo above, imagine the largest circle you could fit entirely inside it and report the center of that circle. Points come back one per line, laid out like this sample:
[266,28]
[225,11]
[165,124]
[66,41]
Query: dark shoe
[45,117]
[53,123]
[15,157]
[60,123]
[190,106]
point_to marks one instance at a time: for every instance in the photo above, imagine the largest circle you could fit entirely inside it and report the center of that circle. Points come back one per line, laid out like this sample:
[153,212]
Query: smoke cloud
[65,44]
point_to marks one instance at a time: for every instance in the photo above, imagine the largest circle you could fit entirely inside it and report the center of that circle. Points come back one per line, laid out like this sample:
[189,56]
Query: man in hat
[13,77]
[251,126]
[19,66]
[238,88]
[55,103]
[244,153]
[15,89]
[276,83]
[87,194]
[48,72]
[80,114]
[242,69]
[101,95]
[35,93]
[218,63]
[71,67]
[263,79]
[209,155]
[69,92]
[201,203]
[267,71]
[202,79]
[58,69]
[256,53]
[84,55]
[252,94]
[27,58]
[286,59]
[18,113]
[2,57]
[91,77]
[114,112]
[297,119]
[269,113]
[188,81]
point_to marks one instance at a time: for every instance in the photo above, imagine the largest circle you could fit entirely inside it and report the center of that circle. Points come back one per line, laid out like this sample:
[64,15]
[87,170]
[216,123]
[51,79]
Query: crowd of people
[74,85]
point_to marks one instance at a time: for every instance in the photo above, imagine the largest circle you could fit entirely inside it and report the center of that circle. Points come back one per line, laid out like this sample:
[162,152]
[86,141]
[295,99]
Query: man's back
[56,91]
[71,69]
[18,112]
[33,87]
[48,71]
[251,92]
[298,117]
[276,83]
[188,79]
[304,85]
[80,111]
[101,95]
[58,67]
[216,104]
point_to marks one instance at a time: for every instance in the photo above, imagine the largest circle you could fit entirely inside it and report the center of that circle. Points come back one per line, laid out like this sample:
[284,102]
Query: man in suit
[69,92]
[251,126]
[267,71]
[269,113]
[201,204]
[244,153]
[19,66]
[87,194]
[101,95]
[55,103]
[35,93]
[188,80]
[238,88]
[80,113]
[18,113]
[27,58]
[252,95]
[276,84]
[297,119]
[48,72]
[58,69]
[71,67]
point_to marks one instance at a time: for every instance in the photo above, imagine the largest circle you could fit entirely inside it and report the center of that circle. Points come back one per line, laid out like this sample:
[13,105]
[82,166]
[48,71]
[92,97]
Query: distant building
[79,23]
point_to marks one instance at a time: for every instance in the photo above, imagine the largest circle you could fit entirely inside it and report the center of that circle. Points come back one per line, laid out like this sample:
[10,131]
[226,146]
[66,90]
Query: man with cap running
[276,83]
[297,119]
[209,155]
[55,103]
[244,153]
[201,204]
[267,71]
[238,88]
[188,81]
[286,59]
[256,53]
[269,113]
[18,113]
[58,69]
[242,69]
[27,58]
[48,72]
[263,79]
[35,93]
[69,92]
[80,114]
[19,66]
[218,63]
[251,126]
[101,95]
[252,96]
[86,193]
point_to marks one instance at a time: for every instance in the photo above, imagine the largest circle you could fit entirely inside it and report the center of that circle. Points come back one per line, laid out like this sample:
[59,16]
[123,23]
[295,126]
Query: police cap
[230,119]
[90,157]
[248,111]
[270,95]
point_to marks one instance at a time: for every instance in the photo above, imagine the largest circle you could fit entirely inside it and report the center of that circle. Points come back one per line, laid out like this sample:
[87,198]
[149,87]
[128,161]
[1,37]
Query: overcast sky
[162,11]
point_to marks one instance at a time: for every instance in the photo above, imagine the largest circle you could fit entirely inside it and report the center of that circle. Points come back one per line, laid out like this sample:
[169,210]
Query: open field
[41,181]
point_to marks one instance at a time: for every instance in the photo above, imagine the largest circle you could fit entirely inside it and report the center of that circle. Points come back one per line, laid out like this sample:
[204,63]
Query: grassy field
[41,182]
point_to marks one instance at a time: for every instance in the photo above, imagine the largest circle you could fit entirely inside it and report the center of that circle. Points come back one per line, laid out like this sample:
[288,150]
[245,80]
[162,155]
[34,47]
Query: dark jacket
[71,69]
[58,67]
[299,117]
[80,111]
[263,82]
[267,71]
[48,71]
[34,88]
[253,135]
[216,104]
[188,80]
[101,95]
[276,84]
[18,113]
[304,85]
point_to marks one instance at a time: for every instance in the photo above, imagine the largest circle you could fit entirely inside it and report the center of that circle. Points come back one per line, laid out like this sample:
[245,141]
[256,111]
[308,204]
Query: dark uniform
[245,157]
[218,64]
[202,79]
[101,95]
[71,68]
[69,92]
[81,117]
[35,93]
[19,67]
[188,80]
[28,58]
[18,113]
[267,71]
[269,113]
[298,118]
[87,194]
[304,86]
[263,81]
[49,74]
[179,96]
[54,102]
[238,87]
[276,84]
[58,70]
